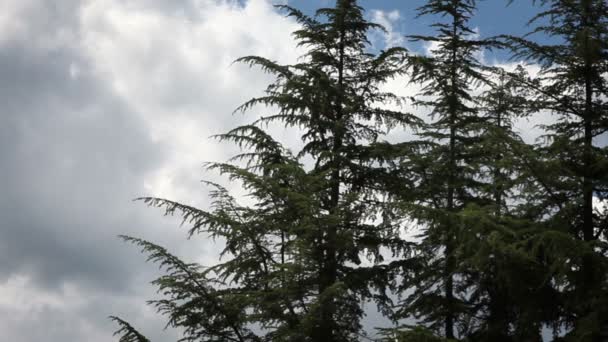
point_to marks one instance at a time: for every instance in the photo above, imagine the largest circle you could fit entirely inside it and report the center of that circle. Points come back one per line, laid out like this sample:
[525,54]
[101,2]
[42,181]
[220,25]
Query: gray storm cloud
[101,105]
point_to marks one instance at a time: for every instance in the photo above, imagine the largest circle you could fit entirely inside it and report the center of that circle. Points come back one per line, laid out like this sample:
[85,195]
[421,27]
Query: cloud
[104,101]
[391,21]
[176,70]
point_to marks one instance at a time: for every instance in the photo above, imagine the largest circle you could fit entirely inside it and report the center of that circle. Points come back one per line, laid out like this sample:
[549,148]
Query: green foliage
[510,240]
[126,332]
[568,172]
[294,259]
[452,170]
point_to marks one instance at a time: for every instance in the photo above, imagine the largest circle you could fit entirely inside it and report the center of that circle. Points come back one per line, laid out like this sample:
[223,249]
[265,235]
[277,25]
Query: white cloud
[601,205]
[391,20]
[176,71]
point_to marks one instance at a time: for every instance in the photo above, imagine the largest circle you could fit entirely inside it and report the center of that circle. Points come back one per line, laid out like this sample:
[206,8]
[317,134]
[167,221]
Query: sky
[103,101]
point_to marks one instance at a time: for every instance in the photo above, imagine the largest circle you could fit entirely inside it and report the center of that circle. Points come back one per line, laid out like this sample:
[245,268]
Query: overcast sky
[102,101]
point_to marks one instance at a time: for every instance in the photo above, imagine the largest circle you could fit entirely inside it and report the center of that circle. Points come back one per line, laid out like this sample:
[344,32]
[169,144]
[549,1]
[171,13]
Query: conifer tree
[449,167]
[572,85]
[502,300]
[294,270]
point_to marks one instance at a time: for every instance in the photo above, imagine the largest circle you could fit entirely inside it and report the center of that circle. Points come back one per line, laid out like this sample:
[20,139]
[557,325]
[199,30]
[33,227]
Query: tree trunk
[329,273]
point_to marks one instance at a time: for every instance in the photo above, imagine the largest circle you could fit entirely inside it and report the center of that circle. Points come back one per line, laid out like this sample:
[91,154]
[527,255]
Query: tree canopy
[510,235]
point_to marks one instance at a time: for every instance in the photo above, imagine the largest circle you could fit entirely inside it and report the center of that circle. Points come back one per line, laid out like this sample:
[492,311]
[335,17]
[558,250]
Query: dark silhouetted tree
[572,85]
[446,163]
[296,268]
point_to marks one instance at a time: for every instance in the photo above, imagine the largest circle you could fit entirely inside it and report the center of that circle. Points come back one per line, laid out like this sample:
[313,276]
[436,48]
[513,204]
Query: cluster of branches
[510,236]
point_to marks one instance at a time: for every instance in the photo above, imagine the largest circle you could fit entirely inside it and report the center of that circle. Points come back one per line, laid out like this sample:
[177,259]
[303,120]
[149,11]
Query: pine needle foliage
[302,258]
[572,86]
[513,236]
[127,332]
[503,305]
[459,190]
